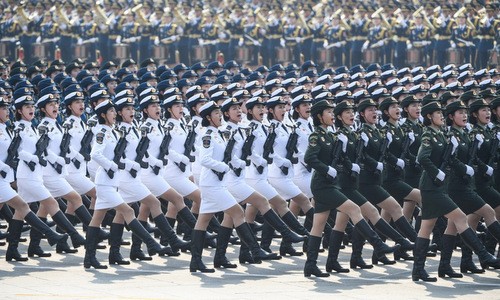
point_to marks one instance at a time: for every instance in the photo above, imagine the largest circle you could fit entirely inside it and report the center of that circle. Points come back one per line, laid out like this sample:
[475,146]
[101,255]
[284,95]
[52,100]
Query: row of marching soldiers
[332,34]
[337,138]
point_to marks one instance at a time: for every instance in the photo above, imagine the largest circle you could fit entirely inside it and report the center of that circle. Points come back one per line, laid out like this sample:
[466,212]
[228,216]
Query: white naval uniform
[132,189]
[196,166]
[29,183]
[282,183]
[302,176]
[237,185]
[92,166]
[214,194]
[6,191]
[77,177]
[173,175]
[53,181]
[256,180]
[102,153]
[155,183]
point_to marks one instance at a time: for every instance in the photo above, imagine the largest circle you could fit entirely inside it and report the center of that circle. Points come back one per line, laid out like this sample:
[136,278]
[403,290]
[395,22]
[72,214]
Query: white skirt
[133,191]
[57,186]
[32,190]
[263,187]
[182,185]
[215,199]
[6,191]
[155,183]
[80,183]
[107,197]
[285,187]
[304,183]
[240,189]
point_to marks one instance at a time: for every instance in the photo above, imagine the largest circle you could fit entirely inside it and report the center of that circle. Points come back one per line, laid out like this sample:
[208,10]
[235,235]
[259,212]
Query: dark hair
[67,110]
[226,118]
[192,113]
[449,122]
[338,122]
[205,122]
[494,118]
[404,113]
[473,119]
[385,116]
[166,113]
[361,118]
[100,119]
[17,115]
[427,121]
[249,115]
[270,115]
[316,120]
[295,114]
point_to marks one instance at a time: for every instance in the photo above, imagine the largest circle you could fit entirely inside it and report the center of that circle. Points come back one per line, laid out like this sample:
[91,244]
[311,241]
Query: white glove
[28,157]
[489,171]
[388,136]
[4,168]
[480,140]
[498,136]
[287,164]
[222,35]
[282,43]
[332,172]
[380,166]
[441,175]
[256,43]
[185,160]
[400,163]
[411,136]
[226,168]
[157,41]
[355,168]
[298,40]
[79,157]
[51,157]
[453,45]
[365,46]
[113,167]
[240,43]
[325,44]
[365,138]
[174,38]
[343,139]
[60,160]
[155,162]
[409,46]
[38,40]
[130,164]
[238,163]
[454,142]
[469,170]
[80,41]
[337,45]
[119,40]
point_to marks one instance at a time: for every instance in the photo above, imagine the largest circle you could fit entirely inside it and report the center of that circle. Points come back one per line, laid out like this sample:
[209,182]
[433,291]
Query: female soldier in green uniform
[435,200]
[324,186]
[461,186]
[349,170]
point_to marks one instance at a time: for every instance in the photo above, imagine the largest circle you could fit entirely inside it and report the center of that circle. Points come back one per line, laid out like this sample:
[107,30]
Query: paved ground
[63,277]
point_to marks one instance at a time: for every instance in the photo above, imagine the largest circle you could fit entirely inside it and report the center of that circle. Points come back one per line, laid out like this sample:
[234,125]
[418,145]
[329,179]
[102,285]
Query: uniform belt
[318,40]
[275,36]
[194,36]
[307,37]
[358,38]
[487,37]
[236,36]
[113,36]
[402,39]
[443,38]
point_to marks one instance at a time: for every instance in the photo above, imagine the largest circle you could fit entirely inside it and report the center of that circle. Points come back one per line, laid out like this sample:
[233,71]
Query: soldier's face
[483,115]
[370,114]
[347,117]
[4,114]
[279,112]
[153,111]
[437,118]
[234,113]
[110,116]
[127,113]
[413,110]
[77,107]
[258,112]
[51,109]
[459,118]
[215,118]
[176,111]
[327,117]
[394,112]
[27,112]
[304,110]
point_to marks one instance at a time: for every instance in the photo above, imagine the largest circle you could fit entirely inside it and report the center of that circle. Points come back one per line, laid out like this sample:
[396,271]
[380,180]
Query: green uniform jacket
[459,180]
[371,155]
[430,155]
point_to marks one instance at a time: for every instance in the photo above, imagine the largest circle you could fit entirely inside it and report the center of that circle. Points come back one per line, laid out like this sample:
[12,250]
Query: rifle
[85,143]
[64,147]
[227,153]
[119,151]
[383,152]
[359,154]
[12,160]
[445,160]
[493,153]
[336,152]
[472,157]
[189,145]
[291,148]
[268,147]
[247,146]
[165,143]
[41,148]
[141,151]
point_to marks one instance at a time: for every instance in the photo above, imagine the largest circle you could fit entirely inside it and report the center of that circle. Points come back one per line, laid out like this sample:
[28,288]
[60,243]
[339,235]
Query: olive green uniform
[413,170]
[394,175]
[435,200]
[319,156]
[461,186]
[370,179]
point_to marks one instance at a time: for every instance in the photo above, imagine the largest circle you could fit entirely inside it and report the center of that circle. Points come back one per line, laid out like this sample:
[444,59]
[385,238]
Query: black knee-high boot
[220,259]
[245,256]
[419,255]
[288,235]
[266,236]
[15,227]
[166,231]
[472,241]
[467,265]
[197,241]
[379,247]
[38,230]
[115,239]
[387,230]
[136,252]
[84,215]
[247,237]
[65,225]
[310,267]
[90,259]
[153,246]
[332,263]
[447,246]
[357,261]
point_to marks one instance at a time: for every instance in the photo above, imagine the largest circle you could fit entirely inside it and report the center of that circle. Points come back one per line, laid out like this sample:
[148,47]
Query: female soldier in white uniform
[215,195]
[107,182]
[10,197]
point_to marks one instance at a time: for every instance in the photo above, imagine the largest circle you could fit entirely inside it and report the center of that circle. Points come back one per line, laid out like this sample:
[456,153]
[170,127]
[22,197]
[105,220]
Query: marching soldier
[236,28]
[210,34]
[443,25]
[337,36]
[488,26]
[87,35]
[274,33]
[461,36]
[64,19]
[318,30]
[130,34]
[49,35]
[377,38]
[401,26]
[359,30]
[291,34]
[253,38]
[420,37]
